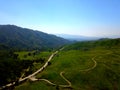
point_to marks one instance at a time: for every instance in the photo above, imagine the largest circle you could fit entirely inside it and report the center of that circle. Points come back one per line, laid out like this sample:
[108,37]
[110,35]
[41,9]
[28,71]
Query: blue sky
[78,17]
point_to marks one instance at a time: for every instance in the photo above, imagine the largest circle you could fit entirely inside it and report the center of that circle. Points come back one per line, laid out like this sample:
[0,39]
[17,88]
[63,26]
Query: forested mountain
[23,38]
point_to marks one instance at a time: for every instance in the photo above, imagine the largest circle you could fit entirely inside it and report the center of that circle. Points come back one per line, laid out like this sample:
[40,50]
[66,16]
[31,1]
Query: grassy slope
[35,86]
[105,76]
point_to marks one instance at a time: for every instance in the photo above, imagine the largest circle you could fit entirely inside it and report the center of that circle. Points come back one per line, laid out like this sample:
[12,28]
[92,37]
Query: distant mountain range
[77,37]
[85,38]
[12,36]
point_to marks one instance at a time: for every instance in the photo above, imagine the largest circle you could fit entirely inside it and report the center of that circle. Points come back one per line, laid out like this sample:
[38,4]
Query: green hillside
[103,43]
[86,65]
[26,39]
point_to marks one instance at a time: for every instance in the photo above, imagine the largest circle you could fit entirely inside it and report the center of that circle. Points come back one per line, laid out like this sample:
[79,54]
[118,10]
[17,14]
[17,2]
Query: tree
[49,63]
[15,56]
[29,54]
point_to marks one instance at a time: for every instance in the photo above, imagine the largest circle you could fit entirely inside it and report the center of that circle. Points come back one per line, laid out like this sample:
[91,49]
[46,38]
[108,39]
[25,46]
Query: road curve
[33,74]
[47,81]
[53,84]
[95,64]
[69,83]
[39,70]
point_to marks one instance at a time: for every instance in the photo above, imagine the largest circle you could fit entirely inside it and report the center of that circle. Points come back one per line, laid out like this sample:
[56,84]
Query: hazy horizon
[98,18]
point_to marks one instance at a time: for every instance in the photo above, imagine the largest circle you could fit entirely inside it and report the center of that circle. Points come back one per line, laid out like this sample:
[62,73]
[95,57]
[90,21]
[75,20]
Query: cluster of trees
[11,67]
[40,60]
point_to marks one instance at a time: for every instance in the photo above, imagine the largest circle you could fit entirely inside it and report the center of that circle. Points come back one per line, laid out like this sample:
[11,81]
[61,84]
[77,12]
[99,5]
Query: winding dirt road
[41,69]
[95,64]
[69,83]
[33,74]
[53,84]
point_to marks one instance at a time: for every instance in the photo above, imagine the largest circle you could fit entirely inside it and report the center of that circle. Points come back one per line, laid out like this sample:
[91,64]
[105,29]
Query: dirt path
[49,82]
[33,74]
[24,73]
[95,64]
[69,83]
[53,84]
[41,69]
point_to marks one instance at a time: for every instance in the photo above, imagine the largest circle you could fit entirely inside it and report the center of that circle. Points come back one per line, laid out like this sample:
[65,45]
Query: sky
[76,17]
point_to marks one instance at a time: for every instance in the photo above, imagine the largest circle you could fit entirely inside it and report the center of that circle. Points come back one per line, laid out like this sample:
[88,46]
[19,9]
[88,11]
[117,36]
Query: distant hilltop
[85,38]
[77,37]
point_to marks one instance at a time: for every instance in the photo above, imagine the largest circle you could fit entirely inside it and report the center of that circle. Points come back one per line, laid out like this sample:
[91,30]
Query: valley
[95,68]
[58,64]
[59,44]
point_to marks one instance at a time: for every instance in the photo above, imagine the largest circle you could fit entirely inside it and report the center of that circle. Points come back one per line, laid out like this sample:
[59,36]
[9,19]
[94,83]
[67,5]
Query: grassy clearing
[29,55]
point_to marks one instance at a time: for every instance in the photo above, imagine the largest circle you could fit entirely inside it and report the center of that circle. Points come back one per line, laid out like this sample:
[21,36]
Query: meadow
[95,68]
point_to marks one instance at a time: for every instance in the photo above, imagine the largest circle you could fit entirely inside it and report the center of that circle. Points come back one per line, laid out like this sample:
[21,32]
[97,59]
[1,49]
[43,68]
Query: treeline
[11,67]
[106,43]
[22,48]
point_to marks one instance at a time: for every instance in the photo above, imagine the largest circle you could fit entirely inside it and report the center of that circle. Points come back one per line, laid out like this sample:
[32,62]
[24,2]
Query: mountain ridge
[24,38]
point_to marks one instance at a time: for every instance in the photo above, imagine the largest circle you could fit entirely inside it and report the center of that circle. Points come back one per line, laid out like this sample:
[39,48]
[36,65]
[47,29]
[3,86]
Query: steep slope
[23,38]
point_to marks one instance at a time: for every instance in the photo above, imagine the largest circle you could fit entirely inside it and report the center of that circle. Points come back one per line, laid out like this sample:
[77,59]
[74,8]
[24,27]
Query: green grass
[22,55]
[105,76]
[35,86]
